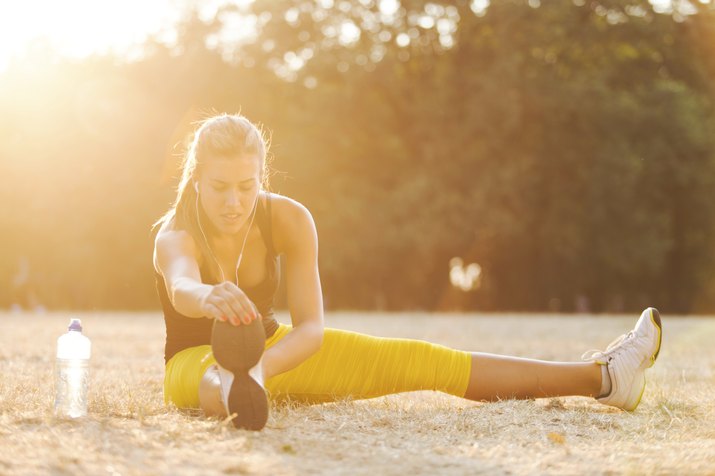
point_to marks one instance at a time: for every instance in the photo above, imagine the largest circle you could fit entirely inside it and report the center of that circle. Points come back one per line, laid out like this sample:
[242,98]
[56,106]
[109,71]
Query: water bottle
[72,372]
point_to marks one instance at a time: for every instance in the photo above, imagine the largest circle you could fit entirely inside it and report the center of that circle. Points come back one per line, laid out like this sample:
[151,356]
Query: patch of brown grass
[130,431]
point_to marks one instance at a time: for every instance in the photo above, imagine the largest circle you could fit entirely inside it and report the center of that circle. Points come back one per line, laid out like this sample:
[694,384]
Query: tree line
[565,146]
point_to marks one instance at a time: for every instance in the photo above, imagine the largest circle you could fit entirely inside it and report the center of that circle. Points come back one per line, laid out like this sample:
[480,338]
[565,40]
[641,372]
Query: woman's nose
[233,198]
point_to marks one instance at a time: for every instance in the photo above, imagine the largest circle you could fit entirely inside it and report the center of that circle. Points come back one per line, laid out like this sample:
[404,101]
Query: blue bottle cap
[75,325]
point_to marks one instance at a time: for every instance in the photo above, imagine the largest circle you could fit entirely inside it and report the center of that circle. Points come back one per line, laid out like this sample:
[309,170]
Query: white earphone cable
[245,238]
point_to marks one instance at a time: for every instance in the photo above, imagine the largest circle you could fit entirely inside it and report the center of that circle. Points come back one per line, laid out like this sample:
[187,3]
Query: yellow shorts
[348,364]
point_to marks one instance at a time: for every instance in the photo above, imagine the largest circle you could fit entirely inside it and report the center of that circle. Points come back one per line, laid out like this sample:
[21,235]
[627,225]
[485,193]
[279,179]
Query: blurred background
[554,155]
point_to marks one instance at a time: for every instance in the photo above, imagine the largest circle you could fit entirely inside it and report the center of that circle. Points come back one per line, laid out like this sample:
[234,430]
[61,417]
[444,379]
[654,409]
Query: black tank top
[183,332]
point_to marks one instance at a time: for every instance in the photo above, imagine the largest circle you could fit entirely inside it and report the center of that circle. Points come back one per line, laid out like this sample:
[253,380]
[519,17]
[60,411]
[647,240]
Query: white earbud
[196,187]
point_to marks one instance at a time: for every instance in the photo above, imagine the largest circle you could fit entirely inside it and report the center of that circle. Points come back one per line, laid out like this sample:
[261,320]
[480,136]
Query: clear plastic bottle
[72,372]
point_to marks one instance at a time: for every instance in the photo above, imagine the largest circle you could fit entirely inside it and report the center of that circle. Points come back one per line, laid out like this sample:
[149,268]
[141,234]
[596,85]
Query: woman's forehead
[232,169]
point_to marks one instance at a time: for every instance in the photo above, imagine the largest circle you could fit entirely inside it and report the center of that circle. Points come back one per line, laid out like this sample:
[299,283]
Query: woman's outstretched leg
[359,366]
[615,376]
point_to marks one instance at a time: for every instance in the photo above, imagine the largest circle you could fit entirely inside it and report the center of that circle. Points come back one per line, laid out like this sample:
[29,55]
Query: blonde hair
[225,135]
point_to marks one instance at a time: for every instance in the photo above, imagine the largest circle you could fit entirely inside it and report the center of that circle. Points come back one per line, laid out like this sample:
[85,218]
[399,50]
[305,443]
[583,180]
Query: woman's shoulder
[291,221]
[168,231]
[171,241]
[285,207]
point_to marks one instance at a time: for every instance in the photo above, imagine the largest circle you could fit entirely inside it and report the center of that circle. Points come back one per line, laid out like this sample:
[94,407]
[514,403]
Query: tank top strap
[263,218]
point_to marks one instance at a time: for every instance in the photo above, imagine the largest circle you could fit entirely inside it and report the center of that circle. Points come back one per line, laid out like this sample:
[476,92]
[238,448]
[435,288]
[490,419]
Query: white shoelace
[613,347]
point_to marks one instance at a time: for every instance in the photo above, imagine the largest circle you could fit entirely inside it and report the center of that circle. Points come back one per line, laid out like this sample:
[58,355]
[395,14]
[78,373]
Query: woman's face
[228,189]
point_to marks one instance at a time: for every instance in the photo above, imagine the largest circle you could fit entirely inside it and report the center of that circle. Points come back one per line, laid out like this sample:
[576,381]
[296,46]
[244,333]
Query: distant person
[22,290]
[215,258]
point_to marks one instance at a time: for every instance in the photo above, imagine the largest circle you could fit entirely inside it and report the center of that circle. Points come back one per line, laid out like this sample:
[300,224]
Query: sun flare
[77,28]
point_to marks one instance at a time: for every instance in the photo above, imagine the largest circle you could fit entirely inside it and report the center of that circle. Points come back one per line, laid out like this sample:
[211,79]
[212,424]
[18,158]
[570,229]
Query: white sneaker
[627,359]
[225,378]
[238,351]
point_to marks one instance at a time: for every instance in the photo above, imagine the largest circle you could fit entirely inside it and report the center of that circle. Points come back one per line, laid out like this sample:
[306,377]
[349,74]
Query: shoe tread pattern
[238,349]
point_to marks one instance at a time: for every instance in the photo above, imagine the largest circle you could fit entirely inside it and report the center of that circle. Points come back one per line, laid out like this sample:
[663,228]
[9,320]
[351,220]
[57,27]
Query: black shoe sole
[238,349]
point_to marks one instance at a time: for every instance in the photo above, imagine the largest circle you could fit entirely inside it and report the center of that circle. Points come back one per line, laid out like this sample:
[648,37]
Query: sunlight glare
[389,7]
[78,28]
[479,7]
[349,33]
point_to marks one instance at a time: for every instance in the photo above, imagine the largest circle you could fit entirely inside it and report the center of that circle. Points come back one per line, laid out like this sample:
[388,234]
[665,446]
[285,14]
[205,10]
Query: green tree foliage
[565,146]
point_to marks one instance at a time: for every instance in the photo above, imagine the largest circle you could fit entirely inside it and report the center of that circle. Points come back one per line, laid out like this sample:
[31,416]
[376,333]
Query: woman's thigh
[355,365]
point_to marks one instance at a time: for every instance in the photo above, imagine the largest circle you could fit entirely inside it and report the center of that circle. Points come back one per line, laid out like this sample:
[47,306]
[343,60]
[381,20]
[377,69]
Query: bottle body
[72,377]
[72,372]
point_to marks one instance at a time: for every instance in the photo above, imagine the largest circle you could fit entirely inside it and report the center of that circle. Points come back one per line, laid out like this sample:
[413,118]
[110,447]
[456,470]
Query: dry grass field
[129,431]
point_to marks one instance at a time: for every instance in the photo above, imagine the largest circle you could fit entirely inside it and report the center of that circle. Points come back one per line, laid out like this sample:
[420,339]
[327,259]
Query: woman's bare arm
[297,238]
[175,258]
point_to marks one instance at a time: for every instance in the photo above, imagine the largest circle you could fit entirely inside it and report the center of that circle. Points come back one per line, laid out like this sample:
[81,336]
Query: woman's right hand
[227,302]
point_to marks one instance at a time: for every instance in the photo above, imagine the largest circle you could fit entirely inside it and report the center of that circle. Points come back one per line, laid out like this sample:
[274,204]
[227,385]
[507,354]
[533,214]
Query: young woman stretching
[215,258]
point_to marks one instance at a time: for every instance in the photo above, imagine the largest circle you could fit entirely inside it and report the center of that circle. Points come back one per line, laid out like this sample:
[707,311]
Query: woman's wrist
[189,297]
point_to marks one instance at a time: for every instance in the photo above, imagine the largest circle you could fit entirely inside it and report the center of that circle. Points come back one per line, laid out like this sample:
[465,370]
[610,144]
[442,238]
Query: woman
[215,258]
